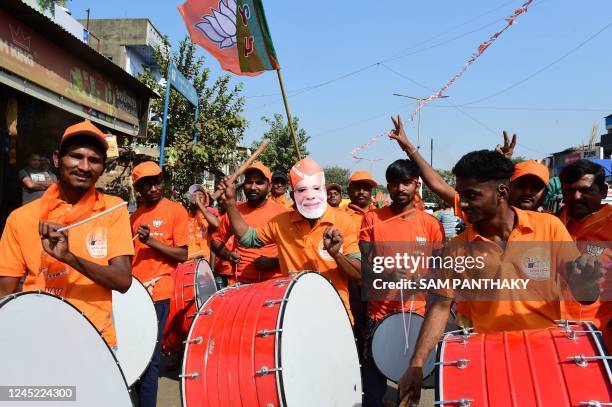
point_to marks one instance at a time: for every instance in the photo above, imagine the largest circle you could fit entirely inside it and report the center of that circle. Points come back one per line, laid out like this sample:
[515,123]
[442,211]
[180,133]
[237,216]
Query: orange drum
[194,283]
[552,367]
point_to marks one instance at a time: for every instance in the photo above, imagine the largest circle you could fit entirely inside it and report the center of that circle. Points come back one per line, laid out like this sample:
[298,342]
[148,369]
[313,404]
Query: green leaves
[280,154]
[221,124]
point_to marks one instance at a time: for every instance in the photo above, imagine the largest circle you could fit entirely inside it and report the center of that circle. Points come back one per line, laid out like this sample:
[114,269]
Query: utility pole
[87,24]
[431,153]
[419,102]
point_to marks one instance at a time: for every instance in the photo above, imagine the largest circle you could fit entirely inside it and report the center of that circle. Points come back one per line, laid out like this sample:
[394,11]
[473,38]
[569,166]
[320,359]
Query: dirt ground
[169,395]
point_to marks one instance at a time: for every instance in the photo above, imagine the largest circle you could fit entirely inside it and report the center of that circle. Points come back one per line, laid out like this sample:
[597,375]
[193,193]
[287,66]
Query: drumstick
[243,167]
[194,253]
[74,225]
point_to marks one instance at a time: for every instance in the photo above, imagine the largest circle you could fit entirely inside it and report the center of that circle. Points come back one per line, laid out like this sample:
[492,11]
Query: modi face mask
[309,193]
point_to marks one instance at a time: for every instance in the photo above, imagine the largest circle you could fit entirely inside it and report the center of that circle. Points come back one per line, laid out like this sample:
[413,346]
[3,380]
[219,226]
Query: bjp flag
[235,32]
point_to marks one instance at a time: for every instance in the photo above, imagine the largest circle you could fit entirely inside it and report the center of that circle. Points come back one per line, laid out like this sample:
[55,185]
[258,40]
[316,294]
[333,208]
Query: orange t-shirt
[199,238]
[300,246]
[98,241]
[542,260]
[356,213]
[282,200]
[224,267]
[593,235]
[167,223]
[457,207]
[254,217]
[418,227]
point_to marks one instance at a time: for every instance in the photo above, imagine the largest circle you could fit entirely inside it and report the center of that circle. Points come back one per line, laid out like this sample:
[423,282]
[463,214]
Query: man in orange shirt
[278,193]
[590,224]
[310,237]
[528,184]
[256,264]
[203,220]
[161,227]
[85,263]
[334,194]
[381,235]
[509,242]
[360,188]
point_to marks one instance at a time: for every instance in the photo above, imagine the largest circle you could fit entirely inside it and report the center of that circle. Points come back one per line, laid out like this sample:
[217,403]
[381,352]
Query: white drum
[393,343]
[205,284]
[135,322]
[46,341]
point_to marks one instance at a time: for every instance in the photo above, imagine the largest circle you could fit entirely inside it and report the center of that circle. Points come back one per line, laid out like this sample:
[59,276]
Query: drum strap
[406,327]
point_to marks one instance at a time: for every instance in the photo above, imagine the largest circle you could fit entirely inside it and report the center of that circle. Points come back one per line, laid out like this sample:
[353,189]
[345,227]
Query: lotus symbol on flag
[220,26]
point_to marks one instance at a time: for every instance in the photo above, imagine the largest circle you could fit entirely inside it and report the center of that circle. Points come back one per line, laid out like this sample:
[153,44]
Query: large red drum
[194,283]
[561,366]
[286,341]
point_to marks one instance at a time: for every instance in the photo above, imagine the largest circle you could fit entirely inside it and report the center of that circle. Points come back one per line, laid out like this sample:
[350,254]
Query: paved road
[168,394]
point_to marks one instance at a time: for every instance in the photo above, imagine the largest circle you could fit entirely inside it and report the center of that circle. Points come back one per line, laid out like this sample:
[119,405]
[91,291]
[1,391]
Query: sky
[547,78]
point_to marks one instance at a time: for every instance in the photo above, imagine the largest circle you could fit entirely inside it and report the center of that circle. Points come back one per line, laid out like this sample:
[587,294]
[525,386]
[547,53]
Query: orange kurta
[167,222]
[98,241]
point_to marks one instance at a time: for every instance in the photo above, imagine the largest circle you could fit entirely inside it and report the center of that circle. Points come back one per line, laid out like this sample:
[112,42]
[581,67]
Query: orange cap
[303,169]
[145,169]
[85,128]
[530,167]
[363,176]
[261,167]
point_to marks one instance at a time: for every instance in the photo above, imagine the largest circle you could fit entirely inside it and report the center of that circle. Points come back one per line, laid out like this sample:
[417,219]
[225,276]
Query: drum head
[389,349]
[45,341]
[205,285]
[136,326]
[318,355]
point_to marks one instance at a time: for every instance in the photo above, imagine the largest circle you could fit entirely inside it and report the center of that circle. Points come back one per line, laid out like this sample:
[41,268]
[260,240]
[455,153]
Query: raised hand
[332,241]
[508,148]
[398,134]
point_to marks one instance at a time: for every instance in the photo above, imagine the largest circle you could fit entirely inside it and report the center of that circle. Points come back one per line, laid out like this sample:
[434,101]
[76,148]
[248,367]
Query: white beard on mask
[310,196]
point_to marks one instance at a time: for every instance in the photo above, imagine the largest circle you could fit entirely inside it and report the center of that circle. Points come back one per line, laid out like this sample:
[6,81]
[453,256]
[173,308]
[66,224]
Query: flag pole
[282,87]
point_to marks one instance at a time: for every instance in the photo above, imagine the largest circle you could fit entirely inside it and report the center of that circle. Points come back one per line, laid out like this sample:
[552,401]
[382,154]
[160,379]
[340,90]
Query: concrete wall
[115,33]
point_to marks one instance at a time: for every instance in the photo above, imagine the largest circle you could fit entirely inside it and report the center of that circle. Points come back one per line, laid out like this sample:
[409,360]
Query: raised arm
[432,179]
[239,226]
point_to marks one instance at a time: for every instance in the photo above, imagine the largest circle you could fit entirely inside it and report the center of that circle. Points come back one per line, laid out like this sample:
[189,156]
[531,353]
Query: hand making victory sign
[508,148]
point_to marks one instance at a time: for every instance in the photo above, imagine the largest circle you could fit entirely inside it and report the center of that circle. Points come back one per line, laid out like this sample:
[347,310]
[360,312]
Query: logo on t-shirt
[594,250]
[97,242]
[157,223]
[535,263]
[324,254]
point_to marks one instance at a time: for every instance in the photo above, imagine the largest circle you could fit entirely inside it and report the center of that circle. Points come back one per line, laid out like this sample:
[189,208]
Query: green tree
[518,159]
[280,154]
[221,125]
[338,175]
[429,196]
